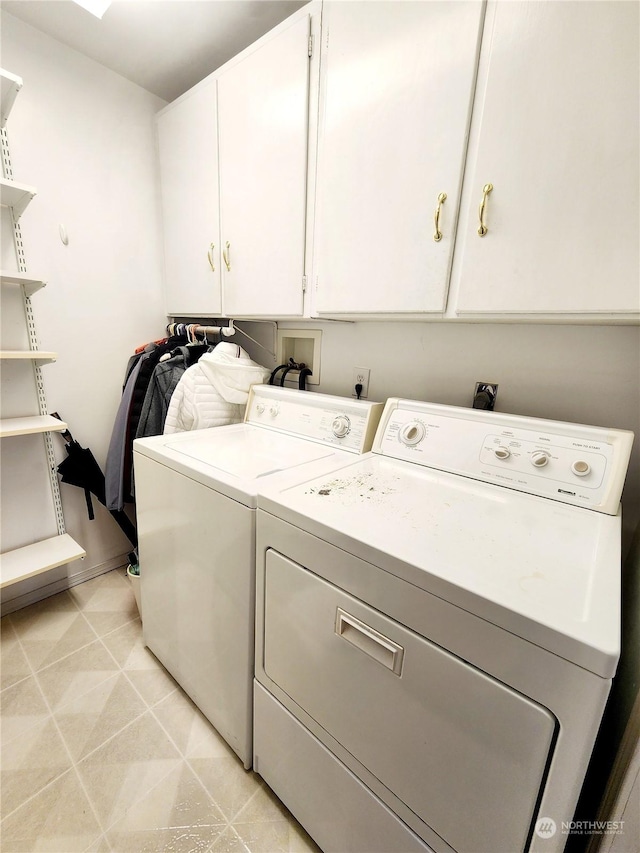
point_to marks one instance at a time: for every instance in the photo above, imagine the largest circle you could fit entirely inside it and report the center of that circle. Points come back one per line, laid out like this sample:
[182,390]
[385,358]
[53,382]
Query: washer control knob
[412,433]
[539,458]
[502,453]
[581,468]
[341,426]
[259,408]
[273,410]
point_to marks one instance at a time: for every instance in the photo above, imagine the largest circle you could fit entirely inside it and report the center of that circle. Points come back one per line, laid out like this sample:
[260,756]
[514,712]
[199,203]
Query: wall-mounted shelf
[39,356]
[31,285]
[30,425]
[15,195]
[34,559]
[10,85]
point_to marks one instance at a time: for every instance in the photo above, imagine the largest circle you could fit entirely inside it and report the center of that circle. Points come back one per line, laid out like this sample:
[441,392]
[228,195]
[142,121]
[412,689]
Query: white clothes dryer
[437,626]
[196,501]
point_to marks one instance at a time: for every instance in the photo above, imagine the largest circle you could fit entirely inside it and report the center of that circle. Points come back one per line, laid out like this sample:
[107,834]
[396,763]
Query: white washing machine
[437,627]
[196,501]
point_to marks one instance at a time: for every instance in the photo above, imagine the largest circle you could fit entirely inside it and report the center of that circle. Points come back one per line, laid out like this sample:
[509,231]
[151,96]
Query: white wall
[85,138]
[584,374]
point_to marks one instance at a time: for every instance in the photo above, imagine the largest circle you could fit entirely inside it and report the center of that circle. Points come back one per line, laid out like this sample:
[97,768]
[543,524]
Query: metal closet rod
[209,331]
[220,332]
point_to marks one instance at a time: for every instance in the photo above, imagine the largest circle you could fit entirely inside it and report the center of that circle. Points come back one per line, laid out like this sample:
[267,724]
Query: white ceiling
[165,46]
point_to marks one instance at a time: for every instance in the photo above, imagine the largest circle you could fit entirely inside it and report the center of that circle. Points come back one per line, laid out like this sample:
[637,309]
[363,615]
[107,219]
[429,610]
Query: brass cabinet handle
[210,256]
[482,230]
[227,255]
[438,234]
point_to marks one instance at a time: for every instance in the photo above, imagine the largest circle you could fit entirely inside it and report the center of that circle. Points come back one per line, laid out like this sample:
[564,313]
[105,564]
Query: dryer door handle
[370,641]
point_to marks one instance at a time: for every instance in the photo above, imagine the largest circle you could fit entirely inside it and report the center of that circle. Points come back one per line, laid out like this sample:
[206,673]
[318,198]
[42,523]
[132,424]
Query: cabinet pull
[370,641]
[438,234]
[226,254]
[482,230]
[210,256]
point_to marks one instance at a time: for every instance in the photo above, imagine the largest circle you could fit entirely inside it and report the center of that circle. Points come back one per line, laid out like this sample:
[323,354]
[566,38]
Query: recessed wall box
[303,346]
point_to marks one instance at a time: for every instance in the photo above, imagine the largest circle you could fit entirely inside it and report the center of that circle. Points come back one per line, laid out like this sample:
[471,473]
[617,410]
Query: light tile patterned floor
[102,751]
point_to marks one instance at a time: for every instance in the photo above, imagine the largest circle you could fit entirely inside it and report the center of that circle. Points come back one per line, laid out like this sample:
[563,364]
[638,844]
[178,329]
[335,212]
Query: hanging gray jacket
[114,465]
[166,376]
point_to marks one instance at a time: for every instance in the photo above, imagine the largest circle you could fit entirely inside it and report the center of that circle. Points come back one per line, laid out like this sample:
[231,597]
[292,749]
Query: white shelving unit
[30,425]
[30,285]
[35,559]
[10,85]
[16,196]
[39,356]
[38,557]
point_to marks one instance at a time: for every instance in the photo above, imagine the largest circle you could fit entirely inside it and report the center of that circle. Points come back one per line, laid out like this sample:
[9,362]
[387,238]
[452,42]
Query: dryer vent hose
[304,371]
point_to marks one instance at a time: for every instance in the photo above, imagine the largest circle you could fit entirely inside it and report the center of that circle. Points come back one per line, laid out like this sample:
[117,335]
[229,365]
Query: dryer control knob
[412,433]
[259,408]
[581,468]
[502,453]
[273,410]
[539,458]
[341,426]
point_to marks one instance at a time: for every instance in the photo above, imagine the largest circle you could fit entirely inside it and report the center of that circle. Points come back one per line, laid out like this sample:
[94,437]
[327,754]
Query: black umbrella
[81,469]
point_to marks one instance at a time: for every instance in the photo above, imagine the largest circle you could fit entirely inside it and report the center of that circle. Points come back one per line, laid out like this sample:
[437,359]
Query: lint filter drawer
[463,751]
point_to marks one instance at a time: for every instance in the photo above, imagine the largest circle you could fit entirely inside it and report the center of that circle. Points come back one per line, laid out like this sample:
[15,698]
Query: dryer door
[464,752]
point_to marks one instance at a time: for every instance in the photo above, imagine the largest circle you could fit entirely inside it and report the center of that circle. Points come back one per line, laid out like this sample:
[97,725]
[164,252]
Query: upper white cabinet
[263,110]
[555,131]
[534,103]
[397,82]
[188,147]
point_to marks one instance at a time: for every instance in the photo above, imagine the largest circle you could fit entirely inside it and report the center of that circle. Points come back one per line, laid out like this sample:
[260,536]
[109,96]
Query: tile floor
[102,751]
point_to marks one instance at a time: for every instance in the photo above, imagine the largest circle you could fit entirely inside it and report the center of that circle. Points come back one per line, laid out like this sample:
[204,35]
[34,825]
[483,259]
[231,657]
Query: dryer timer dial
[341,426]
[412,433]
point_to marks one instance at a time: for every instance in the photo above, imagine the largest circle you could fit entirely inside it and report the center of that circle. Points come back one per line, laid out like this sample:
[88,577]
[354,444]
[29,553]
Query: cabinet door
[555,131]
[187,138]
[263,120]
[396,88]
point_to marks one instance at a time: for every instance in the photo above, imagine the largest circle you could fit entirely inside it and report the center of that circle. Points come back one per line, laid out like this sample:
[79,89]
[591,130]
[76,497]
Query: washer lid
[546,571]
[251,453]
[232,459]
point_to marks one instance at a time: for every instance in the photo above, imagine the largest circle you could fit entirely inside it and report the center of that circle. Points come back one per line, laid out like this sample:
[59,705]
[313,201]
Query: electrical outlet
[360,377]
